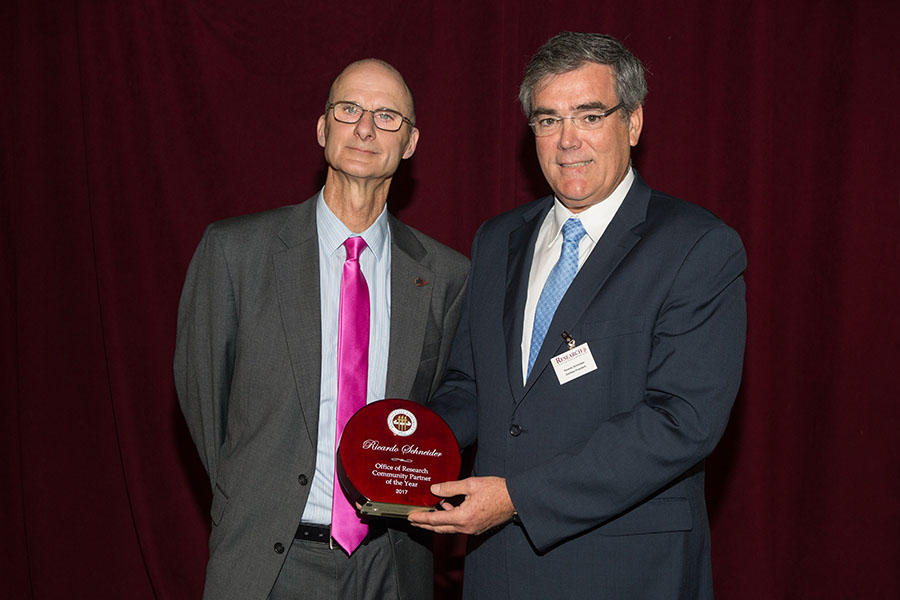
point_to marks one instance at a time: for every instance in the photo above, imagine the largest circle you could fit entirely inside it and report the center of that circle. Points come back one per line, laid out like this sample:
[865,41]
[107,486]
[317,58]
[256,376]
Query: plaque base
[391,453]
[385,509]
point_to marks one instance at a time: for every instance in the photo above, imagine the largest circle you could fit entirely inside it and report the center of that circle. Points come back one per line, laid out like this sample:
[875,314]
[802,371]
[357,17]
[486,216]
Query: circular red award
[390,454]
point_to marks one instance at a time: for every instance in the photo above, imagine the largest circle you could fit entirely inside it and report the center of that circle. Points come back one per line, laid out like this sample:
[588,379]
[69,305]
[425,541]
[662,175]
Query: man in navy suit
[597,359]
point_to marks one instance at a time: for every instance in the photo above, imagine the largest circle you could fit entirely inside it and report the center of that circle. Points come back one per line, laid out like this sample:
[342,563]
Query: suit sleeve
[456,400]
[693,376]
[449,326]
[204,348]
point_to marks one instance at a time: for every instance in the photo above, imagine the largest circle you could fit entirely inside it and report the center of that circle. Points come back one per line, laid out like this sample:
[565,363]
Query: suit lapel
[297,280]
[410,300]
[519,258]
[617,241]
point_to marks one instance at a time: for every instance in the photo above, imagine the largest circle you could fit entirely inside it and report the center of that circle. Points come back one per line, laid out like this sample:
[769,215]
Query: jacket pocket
[219,503]
[654,516]
[605,329]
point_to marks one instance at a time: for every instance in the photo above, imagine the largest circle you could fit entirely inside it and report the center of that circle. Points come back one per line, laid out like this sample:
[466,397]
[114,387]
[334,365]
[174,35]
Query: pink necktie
[353,367]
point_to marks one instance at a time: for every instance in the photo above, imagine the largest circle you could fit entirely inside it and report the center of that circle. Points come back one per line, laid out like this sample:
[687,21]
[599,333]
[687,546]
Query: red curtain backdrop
[129,126]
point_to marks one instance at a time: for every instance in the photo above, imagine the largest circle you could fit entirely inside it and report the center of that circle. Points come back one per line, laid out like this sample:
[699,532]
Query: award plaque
[390,454]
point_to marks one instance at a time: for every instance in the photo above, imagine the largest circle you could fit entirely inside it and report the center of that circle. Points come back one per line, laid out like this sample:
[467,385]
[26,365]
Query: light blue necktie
[557,283]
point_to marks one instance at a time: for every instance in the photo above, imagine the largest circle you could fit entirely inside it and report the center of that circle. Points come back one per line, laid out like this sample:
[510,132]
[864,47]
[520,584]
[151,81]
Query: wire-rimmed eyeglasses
[385,119]
[588,120]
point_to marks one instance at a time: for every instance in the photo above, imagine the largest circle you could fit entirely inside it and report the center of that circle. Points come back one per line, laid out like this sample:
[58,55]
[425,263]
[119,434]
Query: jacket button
[515,430]
[279,548]
[302,479]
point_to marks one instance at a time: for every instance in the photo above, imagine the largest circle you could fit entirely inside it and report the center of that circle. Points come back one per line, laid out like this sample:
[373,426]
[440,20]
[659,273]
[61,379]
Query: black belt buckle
[322,533]
[313,533]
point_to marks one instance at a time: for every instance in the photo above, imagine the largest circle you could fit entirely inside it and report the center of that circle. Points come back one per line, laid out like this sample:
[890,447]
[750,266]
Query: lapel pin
[420,282]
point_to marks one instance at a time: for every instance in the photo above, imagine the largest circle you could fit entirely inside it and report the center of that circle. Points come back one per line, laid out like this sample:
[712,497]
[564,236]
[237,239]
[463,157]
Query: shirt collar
[332,231]
[596,218]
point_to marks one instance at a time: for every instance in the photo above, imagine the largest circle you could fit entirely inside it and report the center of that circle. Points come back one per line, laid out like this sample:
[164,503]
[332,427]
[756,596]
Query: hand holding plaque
[390,454]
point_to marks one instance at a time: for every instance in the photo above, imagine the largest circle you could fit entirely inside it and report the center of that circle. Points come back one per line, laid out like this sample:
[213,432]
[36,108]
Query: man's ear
[635,125]
[411,145]
[321,134]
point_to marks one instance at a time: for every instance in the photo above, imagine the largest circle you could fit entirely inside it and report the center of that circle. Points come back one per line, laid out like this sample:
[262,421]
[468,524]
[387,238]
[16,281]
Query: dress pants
[315,571]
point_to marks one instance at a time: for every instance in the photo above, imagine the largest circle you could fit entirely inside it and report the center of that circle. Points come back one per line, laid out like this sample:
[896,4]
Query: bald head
[379,69]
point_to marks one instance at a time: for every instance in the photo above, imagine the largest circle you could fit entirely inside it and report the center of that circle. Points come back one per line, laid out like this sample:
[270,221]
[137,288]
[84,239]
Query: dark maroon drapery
[128,126]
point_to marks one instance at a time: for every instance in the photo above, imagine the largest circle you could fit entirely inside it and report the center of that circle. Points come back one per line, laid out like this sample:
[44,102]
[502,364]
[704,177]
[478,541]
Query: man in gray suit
[256,358]
[597,358]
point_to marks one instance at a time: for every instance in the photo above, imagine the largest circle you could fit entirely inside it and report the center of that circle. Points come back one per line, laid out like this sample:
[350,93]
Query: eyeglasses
[384,118]
[588,120]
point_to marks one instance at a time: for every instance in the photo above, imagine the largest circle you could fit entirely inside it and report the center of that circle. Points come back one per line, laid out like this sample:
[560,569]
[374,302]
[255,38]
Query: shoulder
[495,233]
[676,234]
[516,217]
[252,226]
[244,245]
[678,219]
[264,232]
[428,250]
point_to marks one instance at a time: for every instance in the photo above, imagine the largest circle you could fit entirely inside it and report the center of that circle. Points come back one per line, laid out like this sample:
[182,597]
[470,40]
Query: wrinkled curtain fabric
[129,126]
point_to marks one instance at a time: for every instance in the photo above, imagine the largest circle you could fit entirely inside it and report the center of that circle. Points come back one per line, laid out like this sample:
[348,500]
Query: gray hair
[569,50]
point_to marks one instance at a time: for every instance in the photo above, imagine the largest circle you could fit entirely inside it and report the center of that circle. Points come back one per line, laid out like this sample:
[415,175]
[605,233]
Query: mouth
[575,165]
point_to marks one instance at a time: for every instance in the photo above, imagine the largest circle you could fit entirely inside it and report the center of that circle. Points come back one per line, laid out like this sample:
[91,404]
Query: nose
[365,127]
[568,134]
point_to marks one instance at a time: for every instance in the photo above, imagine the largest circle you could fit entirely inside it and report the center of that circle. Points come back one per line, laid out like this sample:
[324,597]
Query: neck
[356,202]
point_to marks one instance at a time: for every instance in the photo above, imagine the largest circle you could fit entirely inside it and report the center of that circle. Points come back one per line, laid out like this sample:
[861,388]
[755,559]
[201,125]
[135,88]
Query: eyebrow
[592,106]
[597,105]
[382,108]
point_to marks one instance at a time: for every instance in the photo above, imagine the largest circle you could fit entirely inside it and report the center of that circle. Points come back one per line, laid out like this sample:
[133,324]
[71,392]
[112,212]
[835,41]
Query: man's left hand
[486,504]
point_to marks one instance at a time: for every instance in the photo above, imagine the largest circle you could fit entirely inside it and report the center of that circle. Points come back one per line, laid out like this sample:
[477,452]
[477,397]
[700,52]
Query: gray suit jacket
[605,471]
[247,372]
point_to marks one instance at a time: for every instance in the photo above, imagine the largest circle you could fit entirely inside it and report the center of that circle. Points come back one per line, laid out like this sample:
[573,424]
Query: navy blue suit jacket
[606,471]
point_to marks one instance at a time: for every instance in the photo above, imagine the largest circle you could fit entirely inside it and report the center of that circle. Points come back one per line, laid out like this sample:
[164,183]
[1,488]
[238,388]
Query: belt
[322,533]
[314,533]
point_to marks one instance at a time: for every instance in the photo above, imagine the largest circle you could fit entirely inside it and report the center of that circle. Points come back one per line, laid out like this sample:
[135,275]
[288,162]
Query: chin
[579,203]
[574,197]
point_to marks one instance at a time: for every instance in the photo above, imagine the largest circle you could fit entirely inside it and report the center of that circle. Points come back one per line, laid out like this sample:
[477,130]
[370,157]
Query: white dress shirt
[548,247]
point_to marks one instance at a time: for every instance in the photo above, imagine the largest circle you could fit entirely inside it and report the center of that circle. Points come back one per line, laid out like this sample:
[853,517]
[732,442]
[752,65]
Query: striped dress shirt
[375,262]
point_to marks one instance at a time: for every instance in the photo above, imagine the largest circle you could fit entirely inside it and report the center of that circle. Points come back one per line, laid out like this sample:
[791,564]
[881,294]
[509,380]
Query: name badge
[573,363]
